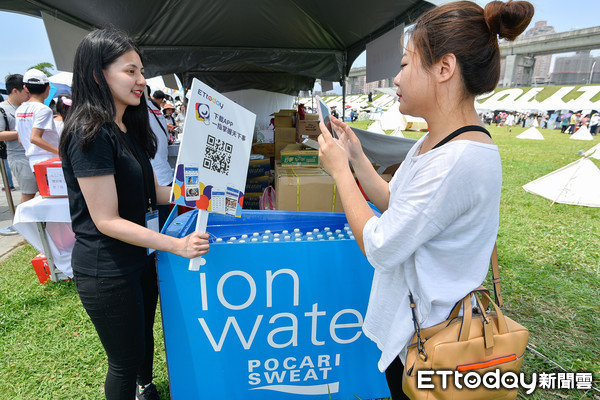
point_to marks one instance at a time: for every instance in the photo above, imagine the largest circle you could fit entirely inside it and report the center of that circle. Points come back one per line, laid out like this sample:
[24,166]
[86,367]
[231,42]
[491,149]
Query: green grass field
[550,268]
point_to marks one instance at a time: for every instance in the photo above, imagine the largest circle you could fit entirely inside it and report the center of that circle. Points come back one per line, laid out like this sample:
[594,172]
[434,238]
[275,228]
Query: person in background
[159,98]
[160,162]
[105,147]
[440,212]
[168,111]
[63,105]
[34,122]
[594,122]
[334,112]
[19,165]
[180,117]
[15,153]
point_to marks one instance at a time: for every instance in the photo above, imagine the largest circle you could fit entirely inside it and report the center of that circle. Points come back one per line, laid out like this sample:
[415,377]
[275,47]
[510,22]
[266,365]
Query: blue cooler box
[273,314]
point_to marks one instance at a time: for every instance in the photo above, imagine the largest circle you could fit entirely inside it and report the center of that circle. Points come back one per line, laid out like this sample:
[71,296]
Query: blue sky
[30,43]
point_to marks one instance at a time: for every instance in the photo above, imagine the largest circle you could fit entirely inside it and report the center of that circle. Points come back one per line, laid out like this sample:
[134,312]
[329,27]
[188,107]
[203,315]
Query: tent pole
[344,99]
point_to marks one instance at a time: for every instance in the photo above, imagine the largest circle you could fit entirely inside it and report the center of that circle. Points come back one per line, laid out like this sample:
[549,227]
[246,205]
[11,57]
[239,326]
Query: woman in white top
[440,212]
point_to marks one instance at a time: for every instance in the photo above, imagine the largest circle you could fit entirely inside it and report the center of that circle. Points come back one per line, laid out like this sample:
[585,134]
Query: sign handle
[201,223]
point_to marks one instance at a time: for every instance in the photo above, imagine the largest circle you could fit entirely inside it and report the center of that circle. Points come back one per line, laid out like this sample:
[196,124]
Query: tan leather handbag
[453,359]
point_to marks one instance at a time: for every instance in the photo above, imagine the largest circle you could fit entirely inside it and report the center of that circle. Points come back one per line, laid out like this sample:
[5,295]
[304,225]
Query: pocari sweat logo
[293,346]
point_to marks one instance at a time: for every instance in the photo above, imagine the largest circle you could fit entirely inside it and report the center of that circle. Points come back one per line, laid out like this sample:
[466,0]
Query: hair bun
[508,20]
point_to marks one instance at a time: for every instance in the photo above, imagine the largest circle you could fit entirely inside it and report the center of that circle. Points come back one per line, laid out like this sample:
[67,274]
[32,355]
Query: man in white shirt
[16,153]
[160,162]
[34,122]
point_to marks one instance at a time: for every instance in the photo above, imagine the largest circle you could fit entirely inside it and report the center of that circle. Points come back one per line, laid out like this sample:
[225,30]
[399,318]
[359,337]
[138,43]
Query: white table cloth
[55,213]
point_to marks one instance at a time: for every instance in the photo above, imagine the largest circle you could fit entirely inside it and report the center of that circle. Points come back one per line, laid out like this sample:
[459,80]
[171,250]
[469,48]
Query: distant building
[541,70]
[357,82]
[579,69]
[523,74]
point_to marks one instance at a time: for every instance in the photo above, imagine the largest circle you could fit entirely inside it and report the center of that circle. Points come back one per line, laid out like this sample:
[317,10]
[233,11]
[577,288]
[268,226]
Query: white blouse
[434,240]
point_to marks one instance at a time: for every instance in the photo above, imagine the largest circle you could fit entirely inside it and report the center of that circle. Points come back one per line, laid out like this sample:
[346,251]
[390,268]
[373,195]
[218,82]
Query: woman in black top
[105,147]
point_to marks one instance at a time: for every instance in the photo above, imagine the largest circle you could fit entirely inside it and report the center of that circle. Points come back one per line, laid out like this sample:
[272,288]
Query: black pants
[122,310]
[393,375]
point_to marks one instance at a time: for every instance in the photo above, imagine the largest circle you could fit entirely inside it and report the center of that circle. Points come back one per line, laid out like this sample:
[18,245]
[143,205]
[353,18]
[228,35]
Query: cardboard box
[257,184]
[287,135]
[265,149]
[296,156]
[50,178]
[311,117]
[280,146]
[259,167]
[285,113]
[284,118]
[284,122]
[307,129]
[306,189]
[252,201]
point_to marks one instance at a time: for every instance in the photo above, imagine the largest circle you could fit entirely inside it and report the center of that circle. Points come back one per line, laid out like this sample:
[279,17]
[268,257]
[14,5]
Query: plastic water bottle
[284,232]
[255,235]
[254,240]
[266,238]
[287,238]
[244,237]
[320,237]
[232,239]
[219,240]
[326,229]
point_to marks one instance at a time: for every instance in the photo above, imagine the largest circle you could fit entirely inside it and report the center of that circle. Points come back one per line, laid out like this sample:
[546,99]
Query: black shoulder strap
[459,131]
[7,127]
[158,120]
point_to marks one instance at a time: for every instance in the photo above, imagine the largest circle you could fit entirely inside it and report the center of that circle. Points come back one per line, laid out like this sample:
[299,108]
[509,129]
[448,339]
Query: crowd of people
[30,130]
[566,122]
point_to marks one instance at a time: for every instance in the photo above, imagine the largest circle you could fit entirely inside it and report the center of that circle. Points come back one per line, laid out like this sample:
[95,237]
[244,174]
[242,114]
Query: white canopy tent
[594,152]
[582,133]
[577,183]
[531,133]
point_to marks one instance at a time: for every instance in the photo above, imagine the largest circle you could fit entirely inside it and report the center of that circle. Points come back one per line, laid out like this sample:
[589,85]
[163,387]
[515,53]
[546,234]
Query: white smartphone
[325,116]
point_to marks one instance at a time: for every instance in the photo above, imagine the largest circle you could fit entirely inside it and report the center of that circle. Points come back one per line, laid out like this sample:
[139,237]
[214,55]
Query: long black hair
[93,104]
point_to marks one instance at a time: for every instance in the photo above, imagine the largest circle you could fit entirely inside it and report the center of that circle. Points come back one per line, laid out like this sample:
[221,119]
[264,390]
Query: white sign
[56,182]
[212,164]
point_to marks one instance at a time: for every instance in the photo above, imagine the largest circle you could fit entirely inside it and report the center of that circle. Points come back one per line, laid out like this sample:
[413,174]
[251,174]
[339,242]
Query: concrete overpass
[521,52]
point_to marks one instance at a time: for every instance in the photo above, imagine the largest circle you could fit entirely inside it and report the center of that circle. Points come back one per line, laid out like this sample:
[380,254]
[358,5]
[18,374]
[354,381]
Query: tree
[45,67]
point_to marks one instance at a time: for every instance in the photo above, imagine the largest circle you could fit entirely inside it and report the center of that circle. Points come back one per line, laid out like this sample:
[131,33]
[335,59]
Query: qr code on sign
[218,155]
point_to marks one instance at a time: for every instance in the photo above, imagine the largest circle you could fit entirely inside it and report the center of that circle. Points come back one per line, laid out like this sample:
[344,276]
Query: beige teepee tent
[577,183]
[531,133]
[582,133]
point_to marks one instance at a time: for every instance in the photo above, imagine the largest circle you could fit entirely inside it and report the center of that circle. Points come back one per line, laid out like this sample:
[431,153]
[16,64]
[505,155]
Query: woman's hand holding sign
[193,245]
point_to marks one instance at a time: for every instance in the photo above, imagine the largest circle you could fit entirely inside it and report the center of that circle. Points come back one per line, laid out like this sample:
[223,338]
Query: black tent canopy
[275,45]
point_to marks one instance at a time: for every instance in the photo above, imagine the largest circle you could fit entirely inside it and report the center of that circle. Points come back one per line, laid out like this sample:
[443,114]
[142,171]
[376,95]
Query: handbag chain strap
[497,296]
